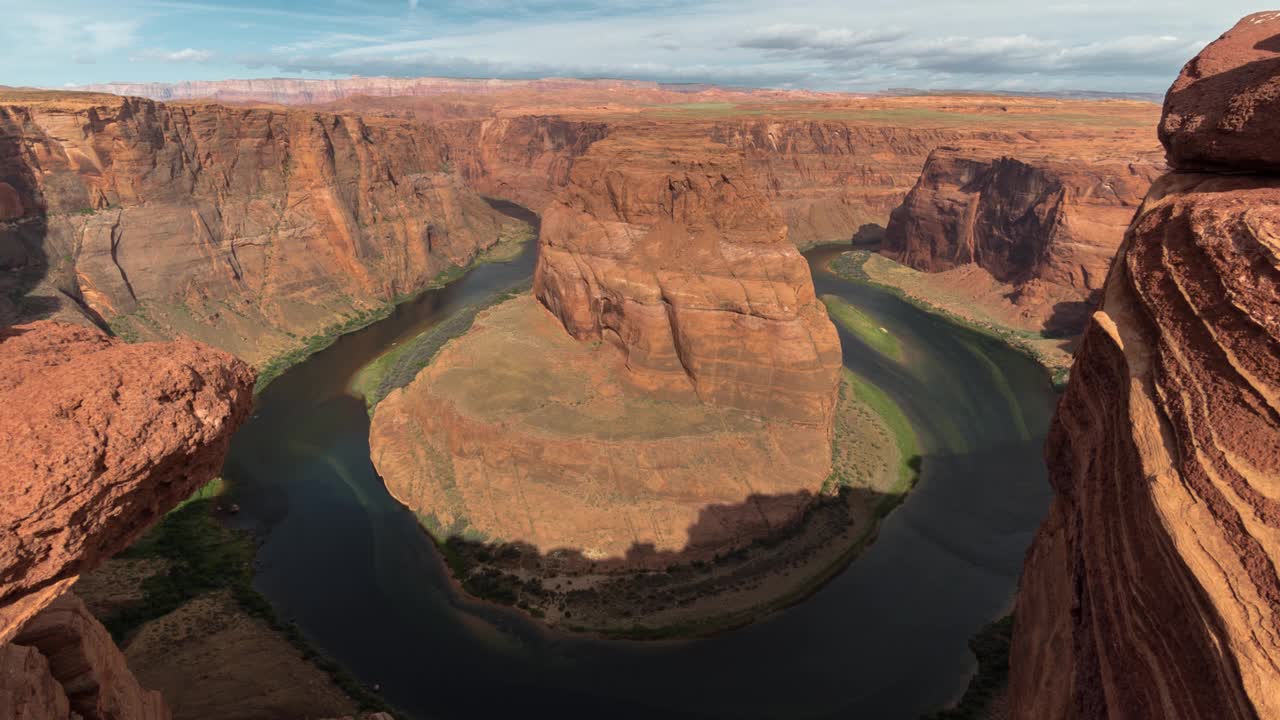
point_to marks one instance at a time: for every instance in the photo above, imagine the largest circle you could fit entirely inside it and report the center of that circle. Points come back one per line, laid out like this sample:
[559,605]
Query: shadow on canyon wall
[868,236]
[1068,319]
[24,225]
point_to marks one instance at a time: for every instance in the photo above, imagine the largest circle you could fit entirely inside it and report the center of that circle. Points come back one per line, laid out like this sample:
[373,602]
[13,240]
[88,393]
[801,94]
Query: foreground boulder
[1151,590]
[101,439]
[1223,111]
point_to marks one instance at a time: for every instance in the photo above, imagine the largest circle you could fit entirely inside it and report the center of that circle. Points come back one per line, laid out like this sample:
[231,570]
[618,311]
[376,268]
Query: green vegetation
[205,556]
[991,646]
[861,325]
[398,367]
[511,241]
[904,435]
[849,266]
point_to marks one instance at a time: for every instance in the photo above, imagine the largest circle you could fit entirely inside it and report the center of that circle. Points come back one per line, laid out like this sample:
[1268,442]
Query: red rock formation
[243,228]
[1223,111]
[101,438]
[1048,225]
[672,254]
[830,178]
[88,671]
[1151,590]
[524,159]
[693,412]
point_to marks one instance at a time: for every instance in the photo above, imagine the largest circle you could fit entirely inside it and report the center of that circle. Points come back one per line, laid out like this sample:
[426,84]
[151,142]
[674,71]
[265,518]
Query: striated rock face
[1151,590]
[101,438]
[245,228]
[678,260]
[1223,111]
[525,159]
[87,670]
[1046,225]
[830,179]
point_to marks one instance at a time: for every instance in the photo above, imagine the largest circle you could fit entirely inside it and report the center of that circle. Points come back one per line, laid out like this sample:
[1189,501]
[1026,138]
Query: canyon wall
[1044,221]
[831,179]
[245,228]
[1151,589]
[103,438]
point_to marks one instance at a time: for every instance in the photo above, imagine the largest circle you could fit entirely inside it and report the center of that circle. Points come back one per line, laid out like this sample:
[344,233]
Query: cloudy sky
[1135,46]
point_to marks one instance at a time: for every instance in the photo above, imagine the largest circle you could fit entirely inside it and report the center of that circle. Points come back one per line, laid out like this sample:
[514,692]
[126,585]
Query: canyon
[668,396]
[1150,591]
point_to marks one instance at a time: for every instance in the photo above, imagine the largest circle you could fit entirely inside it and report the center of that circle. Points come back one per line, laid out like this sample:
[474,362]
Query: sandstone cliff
[101,439]
[1045,222]
[1151,590]
[246,228]
[672,254]
[832,179]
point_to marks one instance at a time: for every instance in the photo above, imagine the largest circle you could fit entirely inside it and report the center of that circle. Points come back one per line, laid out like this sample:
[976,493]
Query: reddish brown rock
[1223,111]
[1047,225]
[86,665]
[1151,591]
[244,228]
[834,180]
[28,691]
[673,255]
[101,438]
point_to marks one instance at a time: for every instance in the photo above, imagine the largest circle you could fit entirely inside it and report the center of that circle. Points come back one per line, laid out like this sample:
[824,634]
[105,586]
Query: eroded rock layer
[679,260]
[1047,225]
[246,228]
[1151,591]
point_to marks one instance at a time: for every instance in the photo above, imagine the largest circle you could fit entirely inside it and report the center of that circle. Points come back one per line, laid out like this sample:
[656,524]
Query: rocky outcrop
[1151,590]
[245,228]
[675,257]
[102,438]
[686,411]
[1223,111]
[1046,225]
[85,666]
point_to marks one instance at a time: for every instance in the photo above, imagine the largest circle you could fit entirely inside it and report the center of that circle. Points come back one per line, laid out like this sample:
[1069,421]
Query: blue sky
[846,45]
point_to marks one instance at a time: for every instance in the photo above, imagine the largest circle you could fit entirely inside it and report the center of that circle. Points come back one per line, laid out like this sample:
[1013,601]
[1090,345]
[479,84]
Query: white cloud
[183,55]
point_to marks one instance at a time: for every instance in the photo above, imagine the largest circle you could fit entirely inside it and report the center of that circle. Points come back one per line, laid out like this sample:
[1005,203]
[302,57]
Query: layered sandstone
[669,398]
[835,180]
[1043,221]
[102,438]
[1151,590]
[673,255]
[246,228]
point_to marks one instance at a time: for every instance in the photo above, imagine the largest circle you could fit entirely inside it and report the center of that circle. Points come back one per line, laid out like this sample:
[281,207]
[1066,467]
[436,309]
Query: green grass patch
[849,265]
[904,435]
[991,646]
[863,327]
[398,366]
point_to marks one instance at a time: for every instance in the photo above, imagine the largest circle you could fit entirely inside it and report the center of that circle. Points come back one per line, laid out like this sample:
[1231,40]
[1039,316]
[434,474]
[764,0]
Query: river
[885,639]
